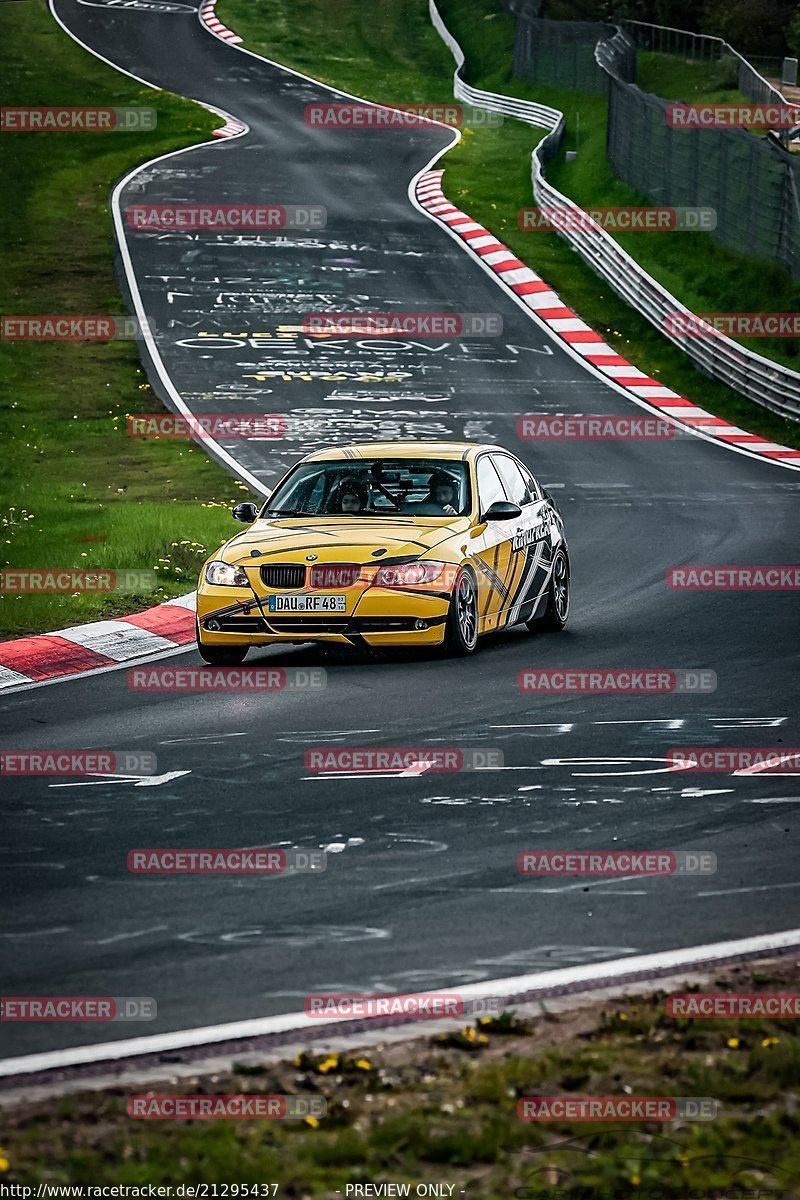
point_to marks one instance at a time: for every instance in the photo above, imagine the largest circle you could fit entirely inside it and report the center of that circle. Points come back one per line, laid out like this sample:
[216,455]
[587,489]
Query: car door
[530,544]
[491,548]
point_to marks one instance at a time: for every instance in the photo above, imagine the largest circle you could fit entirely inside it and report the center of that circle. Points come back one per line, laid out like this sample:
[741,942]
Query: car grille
[284,575]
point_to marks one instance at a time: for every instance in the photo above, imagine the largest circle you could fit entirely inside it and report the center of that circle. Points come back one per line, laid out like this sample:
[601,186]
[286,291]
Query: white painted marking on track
[418,767]
[776,800]
[659,962]
[764,887]
[123,937]
[693,792]
[136,780]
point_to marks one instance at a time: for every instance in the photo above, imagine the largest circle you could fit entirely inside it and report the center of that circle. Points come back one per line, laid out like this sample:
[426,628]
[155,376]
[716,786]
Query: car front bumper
[377,616]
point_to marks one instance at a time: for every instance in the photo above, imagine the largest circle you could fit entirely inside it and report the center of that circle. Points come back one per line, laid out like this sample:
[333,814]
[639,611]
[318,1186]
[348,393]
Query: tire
[221,656]
[461,630]
[556,614]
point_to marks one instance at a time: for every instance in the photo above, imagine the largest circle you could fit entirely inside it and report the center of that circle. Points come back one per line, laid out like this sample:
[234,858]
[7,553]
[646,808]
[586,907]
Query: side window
[489,486]
[512,478]
[533,488]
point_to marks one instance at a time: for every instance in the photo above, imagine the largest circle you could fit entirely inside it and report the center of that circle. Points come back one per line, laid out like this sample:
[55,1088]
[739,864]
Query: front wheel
[221,656]
[461,631]
[556,613]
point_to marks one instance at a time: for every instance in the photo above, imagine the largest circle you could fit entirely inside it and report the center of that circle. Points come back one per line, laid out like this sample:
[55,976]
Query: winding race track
[422,888]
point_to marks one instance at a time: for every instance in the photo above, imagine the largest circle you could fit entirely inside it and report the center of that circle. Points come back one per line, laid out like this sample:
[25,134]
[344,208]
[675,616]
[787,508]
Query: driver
[442,493]
[349,498]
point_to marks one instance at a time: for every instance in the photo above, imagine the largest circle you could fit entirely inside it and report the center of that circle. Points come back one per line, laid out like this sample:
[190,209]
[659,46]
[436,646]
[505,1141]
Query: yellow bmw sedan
[388,544]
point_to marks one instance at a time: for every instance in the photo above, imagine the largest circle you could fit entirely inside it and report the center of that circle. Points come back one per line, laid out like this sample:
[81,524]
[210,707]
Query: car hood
[335,539]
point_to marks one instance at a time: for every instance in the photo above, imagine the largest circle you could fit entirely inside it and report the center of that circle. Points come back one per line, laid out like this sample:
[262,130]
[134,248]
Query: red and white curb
[540,298]
[209,18]
[99,644]
[231,128]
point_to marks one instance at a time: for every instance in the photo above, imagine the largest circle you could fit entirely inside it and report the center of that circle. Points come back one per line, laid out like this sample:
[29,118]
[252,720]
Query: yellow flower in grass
[772,1041]
[328,1064]
[312,1121]
[363,1064]
[733,1043]
[4,1163]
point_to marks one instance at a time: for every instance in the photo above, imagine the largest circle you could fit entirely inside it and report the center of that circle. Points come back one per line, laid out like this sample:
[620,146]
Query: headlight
[416,574]
[222,574]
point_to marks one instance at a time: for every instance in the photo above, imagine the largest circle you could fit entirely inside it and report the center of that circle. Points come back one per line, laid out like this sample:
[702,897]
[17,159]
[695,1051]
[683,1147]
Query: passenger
[442,493]
[350,498]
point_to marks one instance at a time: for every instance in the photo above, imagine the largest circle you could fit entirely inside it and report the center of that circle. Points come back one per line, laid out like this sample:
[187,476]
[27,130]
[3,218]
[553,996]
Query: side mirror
[246,512]
[502,510]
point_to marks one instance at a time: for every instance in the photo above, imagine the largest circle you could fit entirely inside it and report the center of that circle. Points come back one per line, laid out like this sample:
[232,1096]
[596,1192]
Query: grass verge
[444,1110]
[390,53]
[77,491]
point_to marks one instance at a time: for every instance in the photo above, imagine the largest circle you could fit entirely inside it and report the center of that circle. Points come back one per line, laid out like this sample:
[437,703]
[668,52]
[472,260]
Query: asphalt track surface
[421,889]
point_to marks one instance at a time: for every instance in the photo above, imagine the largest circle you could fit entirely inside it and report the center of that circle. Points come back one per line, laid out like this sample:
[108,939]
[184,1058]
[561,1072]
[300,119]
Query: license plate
[290,604]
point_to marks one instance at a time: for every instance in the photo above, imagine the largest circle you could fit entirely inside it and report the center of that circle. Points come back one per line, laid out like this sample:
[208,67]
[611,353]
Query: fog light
[420,624]
[213,626]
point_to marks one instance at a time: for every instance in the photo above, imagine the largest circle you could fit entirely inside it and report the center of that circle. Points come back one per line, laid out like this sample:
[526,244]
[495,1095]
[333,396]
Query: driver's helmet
[349,487]
[442,479]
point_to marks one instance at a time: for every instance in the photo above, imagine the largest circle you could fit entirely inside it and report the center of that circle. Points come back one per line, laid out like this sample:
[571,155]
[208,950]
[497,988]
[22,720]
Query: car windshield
[418,487]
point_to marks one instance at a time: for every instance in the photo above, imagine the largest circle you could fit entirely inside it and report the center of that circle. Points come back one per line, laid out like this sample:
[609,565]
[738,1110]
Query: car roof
[410,450]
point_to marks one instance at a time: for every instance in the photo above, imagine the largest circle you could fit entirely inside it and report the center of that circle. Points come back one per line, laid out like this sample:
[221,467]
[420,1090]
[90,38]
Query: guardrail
[768,383]
[523,110]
